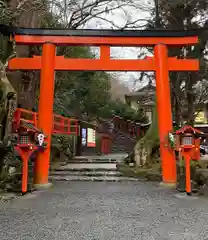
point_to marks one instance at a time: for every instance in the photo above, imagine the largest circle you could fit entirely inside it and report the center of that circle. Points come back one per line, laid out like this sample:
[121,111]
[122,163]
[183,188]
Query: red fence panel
[61,125]
[64,125]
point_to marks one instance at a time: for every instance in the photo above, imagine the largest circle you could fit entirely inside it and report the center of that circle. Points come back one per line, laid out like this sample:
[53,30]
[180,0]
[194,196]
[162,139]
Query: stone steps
[73,170]
[79,170]
[122,142]
[92,178]
[89,165]
[92,161]
[100,159]
[87,173]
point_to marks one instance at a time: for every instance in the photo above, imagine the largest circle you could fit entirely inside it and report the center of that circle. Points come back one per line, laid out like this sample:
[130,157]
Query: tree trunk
[8,99]
[31,17]
[190,99]
[145,146]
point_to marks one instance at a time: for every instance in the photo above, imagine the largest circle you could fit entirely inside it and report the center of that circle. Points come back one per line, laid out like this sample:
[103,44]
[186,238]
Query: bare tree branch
[75,14]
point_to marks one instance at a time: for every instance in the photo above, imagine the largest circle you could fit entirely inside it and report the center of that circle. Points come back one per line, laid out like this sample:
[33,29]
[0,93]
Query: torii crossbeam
[160,40]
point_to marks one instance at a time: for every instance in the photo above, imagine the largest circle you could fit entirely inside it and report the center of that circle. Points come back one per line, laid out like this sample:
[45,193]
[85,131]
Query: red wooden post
[69,126]
[164,114]
[62,121]
[188,173]
[137,129]
[35,117]
[45,112]
[25,159]
[102,145]
[25,154]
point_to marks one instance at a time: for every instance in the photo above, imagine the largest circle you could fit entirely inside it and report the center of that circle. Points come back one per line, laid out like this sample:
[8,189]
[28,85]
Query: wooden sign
[91,137]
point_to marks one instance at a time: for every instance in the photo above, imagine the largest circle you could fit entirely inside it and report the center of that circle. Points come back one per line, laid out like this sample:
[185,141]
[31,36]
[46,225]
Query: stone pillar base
[168,185]
[43,186]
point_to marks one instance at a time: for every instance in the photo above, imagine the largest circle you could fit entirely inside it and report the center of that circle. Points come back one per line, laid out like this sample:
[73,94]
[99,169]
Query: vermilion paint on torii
[49,62]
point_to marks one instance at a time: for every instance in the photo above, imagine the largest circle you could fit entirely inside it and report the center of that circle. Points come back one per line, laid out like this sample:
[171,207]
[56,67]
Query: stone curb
[84,170]
[43,186]
[97,180]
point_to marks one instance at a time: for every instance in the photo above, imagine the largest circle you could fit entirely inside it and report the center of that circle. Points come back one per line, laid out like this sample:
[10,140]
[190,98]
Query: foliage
[122,109]
[75,92]
[5,18]
[188,89]
[187,95]
[171,140]
[88,93]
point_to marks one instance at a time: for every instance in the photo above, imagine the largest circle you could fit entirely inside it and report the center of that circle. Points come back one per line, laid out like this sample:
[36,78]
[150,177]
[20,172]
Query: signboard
[200,117]
[91,137]
[84,136]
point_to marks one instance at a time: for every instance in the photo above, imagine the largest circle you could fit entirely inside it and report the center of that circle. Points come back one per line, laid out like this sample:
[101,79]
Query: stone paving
[205,157]
[113,156]
[110,166]
[104,211]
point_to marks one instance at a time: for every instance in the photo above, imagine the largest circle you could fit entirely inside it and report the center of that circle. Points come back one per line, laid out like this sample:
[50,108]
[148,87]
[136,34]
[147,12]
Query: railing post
[77,126]
[17,116]
[62,124]
[137,129]
[69,126]
[35,119]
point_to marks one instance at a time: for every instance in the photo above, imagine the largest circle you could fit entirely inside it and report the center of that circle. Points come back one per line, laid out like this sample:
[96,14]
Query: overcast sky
[119,18]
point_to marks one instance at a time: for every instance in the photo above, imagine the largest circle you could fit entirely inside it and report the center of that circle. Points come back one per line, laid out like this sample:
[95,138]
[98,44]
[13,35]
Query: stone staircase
[97,168]
[122,142]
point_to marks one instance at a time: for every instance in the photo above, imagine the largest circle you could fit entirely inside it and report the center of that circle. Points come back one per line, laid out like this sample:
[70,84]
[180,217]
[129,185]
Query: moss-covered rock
[126,170]
[199,175]
[62,148]
[151,174]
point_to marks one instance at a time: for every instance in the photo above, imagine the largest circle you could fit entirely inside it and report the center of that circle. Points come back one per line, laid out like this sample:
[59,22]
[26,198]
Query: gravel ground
[104,211]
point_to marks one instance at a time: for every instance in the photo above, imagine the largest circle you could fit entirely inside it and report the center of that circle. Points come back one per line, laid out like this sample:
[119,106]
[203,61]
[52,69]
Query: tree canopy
[188,89]
[76,93]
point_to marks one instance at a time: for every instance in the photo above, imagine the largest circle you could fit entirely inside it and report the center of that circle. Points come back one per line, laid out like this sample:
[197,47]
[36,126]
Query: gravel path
[104,211]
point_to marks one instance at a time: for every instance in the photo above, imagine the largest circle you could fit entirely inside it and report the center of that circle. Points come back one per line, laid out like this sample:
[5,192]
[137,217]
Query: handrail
[61,125]
[65,125]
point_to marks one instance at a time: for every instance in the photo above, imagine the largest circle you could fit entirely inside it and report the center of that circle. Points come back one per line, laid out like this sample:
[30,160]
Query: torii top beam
[104,39]
[101,37]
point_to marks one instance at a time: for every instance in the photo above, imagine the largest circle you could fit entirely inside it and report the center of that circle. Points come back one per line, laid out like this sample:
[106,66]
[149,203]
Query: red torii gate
[49,62]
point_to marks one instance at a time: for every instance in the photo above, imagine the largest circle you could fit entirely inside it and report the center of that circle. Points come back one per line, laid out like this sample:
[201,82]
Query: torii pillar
[165,122]
[160,63]
[45,113]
